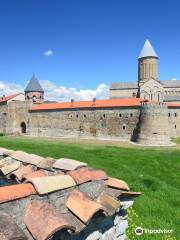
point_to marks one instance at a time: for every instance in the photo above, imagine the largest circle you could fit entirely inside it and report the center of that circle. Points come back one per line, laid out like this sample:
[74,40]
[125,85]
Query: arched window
[131,115]
[34,98]
[104,115]
[120,115]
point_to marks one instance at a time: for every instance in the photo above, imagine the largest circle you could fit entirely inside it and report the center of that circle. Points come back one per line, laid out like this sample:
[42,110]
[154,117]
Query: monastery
[146,112]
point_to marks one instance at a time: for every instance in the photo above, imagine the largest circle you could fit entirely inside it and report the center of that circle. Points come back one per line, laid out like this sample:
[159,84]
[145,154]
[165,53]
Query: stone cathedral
[148,85]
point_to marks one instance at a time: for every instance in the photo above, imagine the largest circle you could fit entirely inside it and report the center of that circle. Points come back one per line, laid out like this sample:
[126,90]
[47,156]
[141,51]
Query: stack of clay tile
[37,176]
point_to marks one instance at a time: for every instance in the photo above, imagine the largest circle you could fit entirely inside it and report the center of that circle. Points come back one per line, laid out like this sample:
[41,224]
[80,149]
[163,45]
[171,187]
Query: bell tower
[34,92]
[147,64]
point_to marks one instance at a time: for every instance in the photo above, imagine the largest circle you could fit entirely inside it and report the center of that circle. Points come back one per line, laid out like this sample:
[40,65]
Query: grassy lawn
[155,172]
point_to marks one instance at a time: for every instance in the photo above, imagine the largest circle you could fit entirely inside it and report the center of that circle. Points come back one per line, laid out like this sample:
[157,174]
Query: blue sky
[92,41]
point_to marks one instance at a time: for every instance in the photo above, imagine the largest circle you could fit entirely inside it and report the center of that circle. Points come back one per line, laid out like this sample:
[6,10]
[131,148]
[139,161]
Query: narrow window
[131,115]
[175,114]
[77,115]
[120,115]
[169,114]
[175,126]
[124,127]
[104,115]
[84,115]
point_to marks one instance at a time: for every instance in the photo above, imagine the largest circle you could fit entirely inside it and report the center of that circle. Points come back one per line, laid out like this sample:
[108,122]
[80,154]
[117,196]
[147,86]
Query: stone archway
[23,127]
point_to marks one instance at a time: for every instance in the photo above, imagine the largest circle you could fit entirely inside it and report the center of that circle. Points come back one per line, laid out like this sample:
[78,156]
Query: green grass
[155,172]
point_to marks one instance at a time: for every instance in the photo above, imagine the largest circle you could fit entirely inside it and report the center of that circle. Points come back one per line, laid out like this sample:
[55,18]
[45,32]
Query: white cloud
[49,53]
[61,93]
[57,93]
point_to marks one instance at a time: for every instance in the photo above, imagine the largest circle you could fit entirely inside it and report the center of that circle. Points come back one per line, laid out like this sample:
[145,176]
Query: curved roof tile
[42,220]
[82,206]
[9,193]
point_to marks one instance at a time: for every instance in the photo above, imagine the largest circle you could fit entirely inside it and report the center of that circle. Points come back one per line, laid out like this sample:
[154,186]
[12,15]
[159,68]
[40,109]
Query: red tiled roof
[5,99]
[173,104]
[120,102]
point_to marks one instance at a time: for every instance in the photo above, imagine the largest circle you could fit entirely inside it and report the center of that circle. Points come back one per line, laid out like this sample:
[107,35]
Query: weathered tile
[98,175]
[74,221]
[26,157]
[10,168]
[42,220]
[117,183]
[9,230]
[46,163]
[68,164]
[109,203]
[49,184]
[22,171]
[9,193]
[83,207]
[82,175]
[130,194]
[35,174]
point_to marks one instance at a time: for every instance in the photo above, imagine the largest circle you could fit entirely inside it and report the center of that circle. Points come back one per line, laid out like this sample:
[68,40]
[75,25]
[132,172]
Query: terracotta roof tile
[74,221]
[42,220]
[84,174]
[13,192]
[117,183]
[46,163]
[80,175]
[121,102]
[9,230]
[10,168]
[44,185]
[109,203]
[81,206]
[130,194]
[22,171]
[35,174]
[68,164]
[98,175]
[26,158]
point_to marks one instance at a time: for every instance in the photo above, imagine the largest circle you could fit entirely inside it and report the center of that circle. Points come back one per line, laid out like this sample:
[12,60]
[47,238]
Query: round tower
[34,92]
[147,64]
[153,127]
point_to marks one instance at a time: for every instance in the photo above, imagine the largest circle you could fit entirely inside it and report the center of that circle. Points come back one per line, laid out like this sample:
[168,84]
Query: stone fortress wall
[106,123]
[101,123]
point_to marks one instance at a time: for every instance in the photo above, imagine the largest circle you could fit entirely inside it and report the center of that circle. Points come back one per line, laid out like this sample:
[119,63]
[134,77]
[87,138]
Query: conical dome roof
[34,85]
[147,50]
